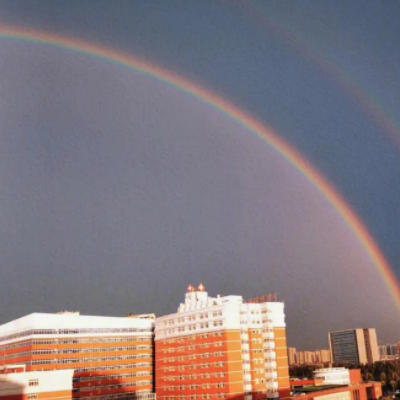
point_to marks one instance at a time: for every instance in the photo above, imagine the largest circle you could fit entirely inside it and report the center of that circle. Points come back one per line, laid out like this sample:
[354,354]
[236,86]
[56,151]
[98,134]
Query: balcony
[270,364]
[268,335]
[271,375]
[269,345]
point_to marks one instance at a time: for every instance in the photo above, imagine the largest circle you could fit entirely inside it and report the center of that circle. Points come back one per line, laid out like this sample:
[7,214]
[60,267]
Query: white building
[36,385]
[331,376]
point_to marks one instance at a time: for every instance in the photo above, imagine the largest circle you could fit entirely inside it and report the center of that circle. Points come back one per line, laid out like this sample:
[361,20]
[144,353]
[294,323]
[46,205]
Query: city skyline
[251,147]
[254,299]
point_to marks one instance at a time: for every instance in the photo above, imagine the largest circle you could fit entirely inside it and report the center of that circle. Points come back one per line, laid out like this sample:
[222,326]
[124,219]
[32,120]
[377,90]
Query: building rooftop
[311,389]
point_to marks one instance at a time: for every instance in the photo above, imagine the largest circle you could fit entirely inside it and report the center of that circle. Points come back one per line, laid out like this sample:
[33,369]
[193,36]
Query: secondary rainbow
[331,68]
[243,118]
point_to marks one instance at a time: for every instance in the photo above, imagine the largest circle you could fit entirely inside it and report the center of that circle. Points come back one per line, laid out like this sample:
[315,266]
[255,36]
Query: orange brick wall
[198,364]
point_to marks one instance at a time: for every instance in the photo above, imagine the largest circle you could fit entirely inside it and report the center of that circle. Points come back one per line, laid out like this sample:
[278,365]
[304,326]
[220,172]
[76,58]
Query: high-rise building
[300,357]
[111,357]
[322,356]
[389,351]
[382,351]
[222,347]
[394,350]
[291,355]
[309,357]
[355,346]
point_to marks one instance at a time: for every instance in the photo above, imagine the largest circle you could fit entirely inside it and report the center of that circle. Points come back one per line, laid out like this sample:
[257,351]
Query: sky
[119,190]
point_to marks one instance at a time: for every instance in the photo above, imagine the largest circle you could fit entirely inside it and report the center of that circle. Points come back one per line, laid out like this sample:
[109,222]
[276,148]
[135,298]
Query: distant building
[355,346]
[322,356]
[336,384]
[300,357]
[382,351]
[16,383]
[222,347]
[292,355]
[389,351]
[309,357]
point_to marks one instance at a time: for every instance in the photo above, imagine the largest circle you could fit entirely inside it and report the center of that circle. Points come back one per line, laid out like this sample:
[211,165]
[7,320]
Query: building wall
[36,385]
[109,355]
[374,345]
[361,346]
[355,376]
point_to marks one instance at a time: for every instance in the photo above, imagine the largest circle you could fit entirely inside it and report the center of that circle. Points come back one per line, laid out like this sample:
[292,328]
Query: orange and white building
[222,347]
[17,384]
[112,357]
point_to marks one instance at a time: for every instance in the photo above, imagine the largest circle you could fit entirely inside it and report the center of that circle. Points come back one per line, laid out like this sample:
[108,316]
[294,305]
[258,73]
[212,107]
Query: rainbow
[239,116]
[329,67]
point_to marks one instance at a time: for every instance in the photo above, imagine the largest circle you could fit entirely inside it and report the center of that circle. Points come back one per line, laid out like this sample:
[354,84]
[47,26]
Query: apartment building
[17,384]
[356,346]
[322,356]
[222,347]
[292,355]
[112,357]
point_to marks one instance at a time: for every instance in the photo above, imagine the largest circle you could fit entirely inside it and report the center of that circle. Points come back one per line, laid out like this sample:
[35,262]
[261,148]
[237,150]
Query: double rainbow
[241,117]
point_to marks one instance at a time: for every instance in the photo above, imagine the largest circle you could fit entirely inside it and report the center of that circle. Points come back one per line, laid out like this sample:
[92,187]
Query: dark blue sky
[118,191]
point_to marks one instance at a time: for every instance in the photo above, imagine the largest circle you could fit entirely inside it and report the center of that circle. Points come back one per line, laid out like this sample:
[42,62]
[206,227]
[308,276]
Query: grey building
[354,346]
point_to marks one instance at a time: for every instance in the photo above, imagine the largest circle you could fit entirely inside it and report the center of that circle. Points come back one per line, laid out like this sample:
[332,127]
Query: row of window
[194,327]
[192,317]
[194,386]
[194,337]
[114,367]
[62,360]
[194,376]
[194,356]
[246,365]
[255,312]
[196,397]
[111,386]
[79,350]
[86,360]
[112,376]
[137,395]
[194,366]
[255,321]
[64,331]
[55,342]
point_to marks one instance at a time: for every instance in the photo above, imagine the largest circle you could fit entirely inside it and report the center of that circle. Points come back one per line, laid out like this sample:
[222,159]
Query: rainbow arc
[241,117]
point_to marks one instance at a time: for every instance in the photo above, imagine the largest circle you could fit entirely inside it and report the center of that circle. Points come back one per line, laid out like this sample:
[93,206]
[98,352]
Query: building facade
[354,346]
[17,384]
[111,357]
[222,347]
